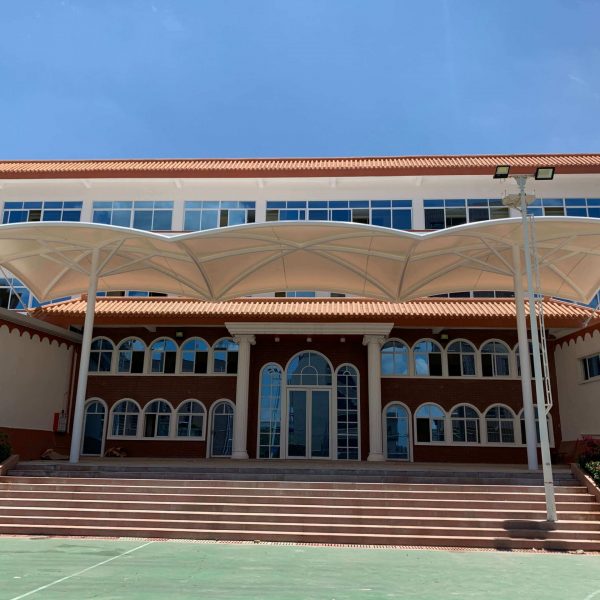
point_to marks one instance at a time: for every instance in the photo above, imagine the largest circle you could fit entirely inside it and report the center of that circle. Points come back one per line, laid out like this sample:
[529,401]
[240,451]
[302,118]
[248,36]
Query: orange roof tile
[448,312]
[295,167]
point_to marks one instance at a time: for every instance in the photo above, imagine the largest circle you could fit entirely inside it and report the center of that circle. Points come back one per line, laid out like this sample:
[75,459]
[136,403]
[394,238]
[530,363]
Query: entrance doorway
[309,423]
[93,429]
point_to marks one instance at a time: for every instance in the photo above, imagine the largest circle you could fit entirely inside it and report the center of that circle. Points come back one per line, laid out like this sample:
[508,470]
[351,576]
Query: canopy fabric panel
[54,259]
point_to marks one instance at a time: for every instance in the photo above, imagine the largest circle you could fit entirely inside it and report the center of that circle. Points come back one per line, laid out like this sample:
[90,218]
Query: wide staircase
[374,506]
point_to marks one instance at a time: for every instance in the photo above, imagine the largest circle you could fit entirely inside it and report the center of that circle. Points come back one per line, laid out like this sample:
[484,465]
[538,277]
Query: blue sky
[227,78]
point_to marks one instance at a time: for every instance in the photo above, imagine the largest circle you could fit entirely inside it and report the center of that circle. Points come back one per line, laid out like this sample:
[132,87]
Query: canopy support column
[528,412]
[84,361]
[240,416]
[373,343]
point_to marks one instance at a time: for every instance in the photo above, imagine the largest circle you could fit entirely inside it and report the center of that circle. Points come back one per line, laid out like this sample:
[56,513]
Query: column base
[239,455]
[375,457]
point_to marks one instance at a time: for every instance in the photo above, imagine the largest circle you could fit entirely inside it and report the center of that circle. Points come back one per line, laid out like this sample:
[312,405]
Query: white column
[528,412]
[84,361]
[240,416]
[373,343]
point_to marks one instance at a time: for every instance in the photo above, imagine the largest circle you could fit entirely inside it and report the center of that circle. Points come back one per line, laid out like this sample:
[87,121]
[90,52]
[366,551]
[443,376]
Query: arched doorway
[221,429]
[93,429]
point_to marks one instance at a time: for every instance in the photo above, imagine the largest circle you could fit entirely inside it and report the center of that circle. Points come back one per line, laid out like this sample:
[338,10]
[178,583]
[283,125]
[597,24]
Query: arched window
[309,368]
[537,426]
[157,419]
[500,425]
[222,429]
[428,358]
[125,418]
[225,356]
[101,353]
[194,356]
[93,428]
[465,424]
[269,429]
[461,359]
[190,419]
[131,356]
[347,412]
[163,356]
[430,423]
[394,358]
[397,429]
[495,359]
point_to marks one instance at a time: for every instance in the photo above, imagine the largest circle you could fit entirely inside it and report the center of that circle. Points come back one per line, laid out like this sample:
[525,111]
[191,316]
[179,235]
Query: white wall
[579,400]
[34,379]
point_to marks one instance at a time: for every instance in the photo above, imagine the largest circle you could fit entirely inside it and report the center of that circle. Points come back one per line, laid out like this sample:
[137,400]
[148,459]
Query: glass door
[309,424]
[93,429]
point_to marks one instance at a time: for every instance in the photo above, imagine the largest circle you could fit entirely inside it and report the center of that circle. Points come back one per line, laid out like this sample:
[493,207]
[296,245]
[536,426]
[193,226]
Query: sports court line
[80,572]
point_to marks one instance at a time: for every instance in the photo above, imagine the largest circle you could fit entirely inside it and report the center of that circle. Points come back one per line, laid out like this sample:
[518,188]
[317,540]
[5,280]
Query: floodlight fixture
[544,173]
[502,172]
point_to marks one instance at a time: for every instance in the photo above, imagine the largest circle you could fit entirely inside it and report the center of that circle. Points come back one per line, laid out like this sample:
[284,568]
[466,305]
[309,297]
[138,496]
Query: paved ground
[67,569]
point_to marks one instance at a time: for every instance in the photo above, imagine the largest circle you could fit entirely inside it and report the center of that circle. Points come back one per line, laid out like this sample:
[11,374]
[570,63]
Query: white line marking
[592,595]
[80,572]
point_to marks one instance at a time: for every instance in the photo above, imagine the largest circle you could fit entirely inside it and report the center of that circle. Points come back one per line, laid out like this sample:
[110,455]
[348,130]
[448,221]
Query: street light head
[544,173]
[502,172]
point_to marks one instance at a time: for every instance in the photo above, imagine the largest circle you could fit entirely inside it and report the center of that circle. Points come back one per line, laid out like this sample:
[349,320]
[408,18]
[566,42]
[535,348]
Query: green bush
[5,449]
[591,452]
[593,469]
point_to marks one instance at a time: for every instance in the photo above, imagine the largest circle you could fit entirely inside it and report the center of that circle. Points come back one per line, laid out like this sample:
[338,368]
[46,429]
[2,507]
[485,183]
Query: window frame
[414,354]
[400,341]
[182,351]
[474,352]
[409,419]
[179,412]
[444,419]
[260,421]
[110,434]
[118,357]
[478,418]
[146,412]
[164,352]
[213,353]
[113,354]
[585,370]
[336,410]
[510,359]
[516,429]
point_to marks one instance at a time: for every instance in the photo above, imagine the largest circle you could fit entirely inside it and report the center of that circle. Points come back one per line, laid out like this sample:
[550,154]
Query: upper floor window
[461,359]
[495,359]
[163,356]
[101,353]
[208,214]
[396,214]
[440,214]
[591,367]
[23,212]
[194,356]
[427,358]
[131,356]
[150,215]
[430,423]
[13,294]
[394,358]
[225,356]
[309,368]
[571,207]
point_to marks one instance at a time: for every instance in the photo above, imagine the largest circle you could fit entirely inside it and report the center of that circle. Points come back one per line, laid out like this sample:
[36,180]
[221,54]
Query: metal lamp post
[520,201]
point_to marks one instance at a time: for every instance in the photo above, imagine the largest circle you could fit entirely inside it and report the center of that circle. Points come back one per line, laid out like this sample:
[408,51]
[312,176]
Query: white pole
[84,361]
[528,412]
[537,364]
[239,448]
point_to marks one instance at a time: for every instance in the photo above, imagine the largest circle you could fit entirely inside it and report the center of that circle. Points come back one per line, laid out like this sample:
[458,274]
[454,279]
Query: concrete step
[450,501]
[260,534]
[411,492]
[317,476]
[386,488]
[422,512]
[323,518]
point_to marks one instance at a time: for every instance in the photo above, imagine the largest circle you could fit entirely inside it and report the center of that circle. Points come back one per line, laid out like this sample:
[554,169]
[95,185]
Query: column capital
[245,338]
[373,339]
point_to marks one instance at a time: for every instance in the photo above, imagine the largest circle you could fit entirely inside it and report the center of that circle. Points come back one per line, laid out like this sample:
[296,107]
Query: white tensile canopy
[55,259]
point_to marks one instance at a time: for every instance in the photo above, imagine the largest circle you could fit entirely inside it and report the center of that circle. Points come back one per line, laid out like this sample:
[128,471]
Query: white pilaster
[84,361]
[373,343]
[240,416]
[528,412]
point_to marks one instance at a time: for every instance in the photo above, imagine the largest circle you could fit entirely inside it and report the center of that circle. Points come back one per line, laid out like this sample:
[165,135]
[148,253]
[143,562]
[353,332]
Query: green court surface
[55,568]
